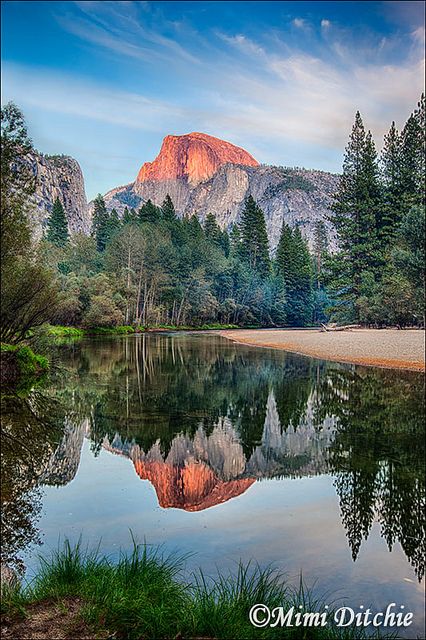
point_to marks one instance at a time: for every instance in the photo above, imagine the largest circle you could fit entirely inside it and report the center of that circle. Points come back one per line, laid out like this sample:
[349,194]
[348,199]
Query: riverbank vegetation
[145,595]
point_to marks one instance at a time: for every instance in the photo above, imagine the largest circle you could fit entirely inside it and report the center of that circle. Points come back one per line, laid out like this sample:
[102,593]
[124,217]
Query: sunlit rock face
[193,156]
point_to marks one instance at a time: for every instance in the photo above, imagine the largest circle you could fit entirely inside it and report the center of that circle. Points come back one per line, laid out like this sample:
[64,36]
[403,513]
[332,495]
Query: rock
[58,177]
[194,157]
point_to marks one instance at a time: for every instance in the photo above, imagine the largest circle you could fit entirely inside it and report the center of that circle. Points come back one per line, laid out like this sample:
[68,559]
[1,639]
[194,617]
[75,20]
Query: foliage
[152,268]
[146,595]
[29,290]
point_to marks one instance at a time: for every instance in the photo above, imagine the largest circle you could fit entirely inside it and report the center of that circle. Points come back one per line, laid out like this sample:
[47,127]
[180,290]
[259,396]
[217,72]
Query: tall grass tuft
[144,595]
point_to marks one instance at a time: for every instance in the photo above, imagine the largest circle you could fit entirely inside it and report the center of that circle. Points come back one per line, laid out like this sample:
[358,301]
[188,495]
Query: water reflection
[202,419]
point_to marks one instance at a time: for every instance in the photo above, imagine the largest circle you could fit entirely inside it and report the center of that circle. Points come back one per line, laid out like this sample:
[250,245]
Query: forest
[151,268]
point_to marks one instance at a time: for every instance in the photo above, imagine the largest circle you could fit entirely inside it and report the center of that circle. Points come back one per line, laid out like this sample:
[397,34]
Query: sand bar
[390,348]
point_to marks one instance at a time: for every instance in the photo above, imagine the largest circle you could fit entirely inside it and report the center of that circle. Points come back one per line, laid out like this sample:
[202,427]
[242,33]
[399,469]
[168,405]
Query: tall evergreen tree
[113,225]
[100,224]
[293,265]
[129,216]
[392,187]
[412,170]
[320,250]
[212,229]
[149,213]
[254,248]
[357,215]
[168,210]
[57,225]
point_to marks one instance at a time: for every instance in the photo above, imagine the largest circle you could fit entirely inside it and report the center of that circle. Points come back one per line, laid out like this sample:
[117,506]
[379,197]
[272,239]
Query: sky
[104,82]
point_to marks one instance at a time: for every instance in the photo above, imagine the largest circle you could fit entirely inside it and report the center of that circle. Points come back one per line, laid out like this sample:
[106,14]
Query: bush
[102,312]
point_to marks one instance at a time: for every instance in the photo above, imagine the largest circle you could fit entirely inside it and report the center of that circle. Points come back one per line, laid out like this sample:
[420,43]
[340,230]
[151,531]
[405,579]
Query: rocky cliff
[59,177]
[194,157]
[203,174]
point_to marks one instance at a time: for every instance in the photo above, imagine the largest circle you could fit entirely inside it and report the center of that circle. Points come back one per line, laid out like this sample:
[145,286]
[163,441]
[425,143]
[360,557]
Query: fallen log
[346,327]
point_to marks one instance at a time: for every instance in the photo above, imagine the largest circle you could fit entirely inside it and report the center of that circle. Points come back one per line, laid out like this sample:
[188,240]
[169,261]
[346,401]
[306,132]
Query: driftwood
[331,327]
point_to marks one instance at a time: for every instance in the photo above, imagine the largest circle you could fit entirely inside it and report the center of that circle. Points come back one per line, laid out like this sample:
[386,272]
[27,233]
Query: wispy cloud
[74,96]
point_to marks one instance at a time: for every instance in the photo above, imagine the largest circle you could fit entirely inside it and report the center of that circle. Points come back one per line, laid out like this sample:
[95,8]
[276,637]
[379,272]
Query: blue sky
[106,81]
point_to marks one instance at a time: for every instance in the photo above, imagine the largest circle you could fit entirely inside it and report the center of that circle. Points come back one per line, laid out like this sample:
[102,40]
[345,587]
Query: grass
[144,595]
[183,327]
[22,369]
[58,331]
[28,362]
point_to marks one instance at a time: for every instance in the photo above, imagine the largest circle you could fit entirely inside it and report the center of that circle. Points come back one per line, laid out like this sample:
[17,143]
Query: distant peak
[193,156]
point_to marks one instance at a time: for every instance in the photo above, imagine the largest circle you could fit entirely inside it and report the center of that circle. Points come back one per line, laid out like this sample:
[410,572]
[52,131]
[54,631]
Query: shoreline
[387,348]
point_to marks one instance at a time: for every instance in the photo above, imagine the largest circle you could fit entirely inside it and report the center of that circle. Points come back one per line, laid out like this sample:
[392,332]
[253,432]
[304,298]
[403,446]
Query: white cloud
[299,23]
[325,24]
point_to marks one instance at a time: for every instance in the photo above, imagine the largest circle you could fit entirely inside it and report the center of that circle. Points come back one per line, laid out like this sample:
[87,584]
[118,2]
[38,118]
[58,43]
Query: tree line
[151,267]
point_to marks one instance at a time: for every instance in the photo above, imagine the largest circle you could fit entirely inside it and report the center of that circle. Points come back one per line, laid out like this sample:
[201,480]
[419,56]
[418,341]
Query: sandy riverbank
[389,348]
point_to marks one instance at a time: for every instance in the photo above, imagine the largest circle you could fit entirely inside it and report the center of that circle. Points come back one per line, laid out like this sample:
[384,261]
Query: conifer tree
[129,216]
[412,170]
[293,265]
[357,214]
[392,187]
[100,222]
[149,213]
[212,229]
[57,226]
[225,242]
[113,225]
[254,248]
[320,250]
[168,210]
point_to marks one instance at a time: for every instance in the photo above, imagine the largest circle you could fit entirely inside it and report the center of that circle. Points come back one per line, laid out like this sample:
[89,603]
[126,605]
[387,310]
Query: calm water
[227,452]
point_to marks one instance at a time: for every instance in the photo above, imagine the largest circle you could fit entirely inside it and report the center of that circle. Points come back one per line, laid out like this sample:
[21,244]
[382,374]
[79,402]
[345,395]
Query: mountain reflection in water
[202,419]
[205,470]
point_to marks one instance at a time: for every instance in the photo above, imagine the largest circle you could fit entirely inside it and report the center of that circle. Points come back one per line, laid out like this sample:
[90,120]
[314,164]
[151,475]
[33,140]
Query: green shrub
[58,331]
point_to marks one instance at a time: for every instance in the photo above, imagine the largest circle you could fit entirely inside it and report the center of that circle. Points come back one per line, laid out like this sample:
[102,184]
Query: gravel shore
[390,348]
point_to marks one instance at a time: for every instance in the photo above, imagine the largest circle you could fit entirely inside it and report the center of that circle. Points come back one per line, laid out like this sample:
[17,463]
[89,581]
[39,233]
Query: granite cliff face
[205,175]
[59,177]
[194,157]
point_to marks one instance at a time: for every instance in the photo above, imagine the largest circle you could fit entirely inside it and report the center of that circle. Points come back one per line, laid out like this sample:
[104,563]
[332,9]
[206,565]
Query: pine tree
[100,222]
[57,226]
[129,216]
[293,265]
[390,161]
[320,250]
[254,248]
[168,210]
[357,215]
[412,168]
[113,225]
[212,229]
[149,213]
[225,242]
